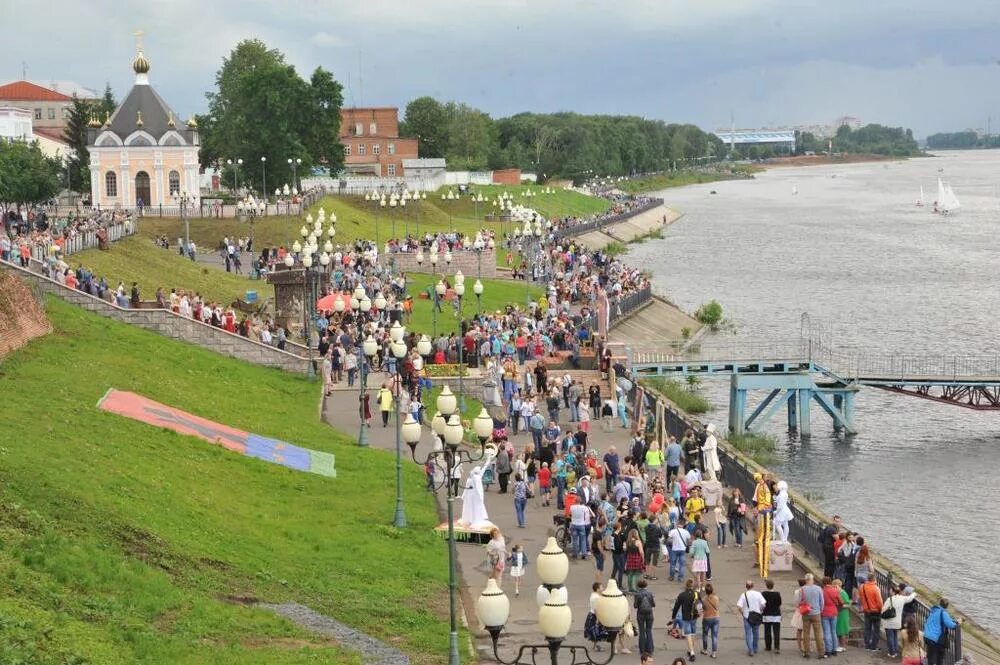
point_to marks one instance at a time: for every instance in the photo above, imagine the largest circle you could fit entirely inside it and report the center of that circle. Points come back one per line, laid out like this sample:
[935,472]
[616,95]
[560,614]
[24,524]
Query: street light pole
[459,292]
[398,349]
[451,432]
[263,172]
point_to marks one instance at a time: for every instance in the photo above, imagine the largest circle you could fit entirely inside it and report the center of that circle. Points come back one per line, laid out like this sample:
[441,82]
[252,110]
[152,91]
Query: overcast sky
[925,64]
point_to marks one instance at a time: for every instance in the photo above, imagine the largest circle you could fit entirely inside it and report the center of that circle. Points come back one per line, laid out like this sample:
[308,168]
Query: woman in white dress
[474,514]
[711,454]
[782,513]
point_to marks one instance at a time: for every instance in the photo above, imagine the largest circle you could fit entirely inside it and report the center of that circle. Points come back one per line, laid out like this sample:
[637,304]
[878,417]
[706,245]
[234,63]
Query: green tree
[425,119]
[262,108]
[107,104]
[78,163]
[472,137]
[27,176]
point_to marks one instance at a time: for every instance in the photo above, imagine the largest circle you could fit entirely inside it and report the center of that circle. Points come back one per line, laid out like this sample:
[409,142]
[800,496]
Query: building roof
[67,87]
[156,114]
[30,92]
[51,134]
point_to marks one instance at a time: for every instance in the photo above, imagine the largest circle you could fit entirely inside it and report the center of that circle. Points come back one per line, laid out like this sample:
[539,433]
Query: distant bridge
[798,373]
[781,137]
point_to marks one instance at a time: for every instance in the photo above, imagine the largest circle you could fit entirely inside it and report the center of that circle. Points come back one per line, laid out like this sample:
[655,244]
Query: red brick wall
[507,177]
[21,317]
[386,122]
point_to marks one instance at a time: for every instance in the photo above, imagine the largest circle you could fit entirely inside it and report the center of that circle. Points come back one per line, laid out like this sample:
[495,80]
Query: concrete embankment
[659,322]
[635,227]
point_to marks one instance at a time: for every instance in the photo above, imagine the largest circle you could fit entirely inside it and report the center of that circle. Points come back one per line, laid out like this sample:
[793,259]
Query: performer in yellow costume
[765,509]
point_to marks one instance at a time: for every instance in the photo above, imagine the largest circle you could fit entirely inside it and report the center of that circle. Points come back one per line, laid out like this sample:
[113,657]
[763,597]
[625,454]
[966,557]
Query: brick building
[372,145]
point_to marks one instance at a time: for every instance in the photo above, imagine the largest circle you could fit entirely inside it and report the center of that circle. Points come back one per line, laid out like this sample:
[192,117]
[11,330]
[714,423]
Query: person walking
[672,456]
[751,606]
[685,603]
[892,619]
[678,537]
[709,621]
[936,636]
[520,498]
[503,467]
[598,548]
[736,509]
[593,631]
[699,558]
[635,561]
[654,460]
[796,622]
[828,616]
[843,617]
[653,537]
[644,603]
[871,606]
[811,607]
[579,515]
[496,554]
[384,399]
[772,618]
[618,540]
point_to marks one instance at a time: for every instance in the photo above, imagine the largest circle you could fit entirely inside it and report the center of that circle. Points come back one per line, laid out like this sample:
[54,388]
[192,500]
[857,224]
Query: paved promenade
[730,566]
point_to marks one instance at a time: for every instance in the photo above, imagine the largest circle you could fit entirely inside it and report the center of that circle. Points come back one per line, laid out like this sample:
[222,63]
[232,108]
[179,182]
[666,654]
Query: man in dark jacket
[827,538]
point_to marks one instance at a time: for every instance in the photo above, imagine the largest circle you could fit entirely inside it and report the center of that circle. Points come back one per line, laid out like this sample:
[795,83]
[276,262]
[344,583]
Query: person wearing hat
[710,452]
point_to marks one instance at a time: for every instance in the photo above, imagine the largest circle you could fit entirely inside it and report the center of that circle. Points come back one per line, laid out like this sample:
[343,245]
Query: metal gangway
[810,369]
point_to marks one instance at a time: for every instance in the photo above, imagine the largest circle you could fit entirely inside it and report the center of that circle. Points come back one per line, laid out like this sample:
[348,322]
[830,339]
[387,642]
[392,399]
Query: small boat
[920,200]
[795,190]
[947,202]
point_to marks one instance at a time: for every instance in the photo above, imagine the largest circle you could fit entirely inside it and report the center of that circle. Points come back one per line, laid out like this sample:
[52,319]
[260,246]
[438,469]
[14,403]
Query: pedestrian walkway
[730,567]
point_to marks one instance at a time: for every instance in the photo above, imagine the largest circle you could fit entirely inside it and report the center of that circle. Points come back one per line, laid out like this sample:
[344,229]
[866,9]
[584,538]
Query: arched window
[111,184]
[175,182]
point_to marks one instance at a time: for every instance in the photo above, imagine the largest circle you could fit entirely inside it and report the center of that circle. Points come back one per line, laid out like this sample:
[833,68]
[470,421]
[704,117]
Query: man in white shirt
[693,476]
[579,520]
[679,538]
[751,606]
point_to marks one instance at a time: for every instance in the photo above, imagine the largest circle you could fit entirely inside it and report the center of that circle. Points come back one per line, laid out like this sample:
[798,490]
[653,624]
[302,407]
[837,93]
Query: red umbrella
[326,303]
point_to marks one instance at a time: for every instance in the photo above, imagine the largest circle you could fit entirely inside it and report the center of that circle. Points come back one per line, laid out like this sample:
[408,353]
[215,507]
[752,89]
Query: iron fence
[601,222]
[85,240]
[806,527]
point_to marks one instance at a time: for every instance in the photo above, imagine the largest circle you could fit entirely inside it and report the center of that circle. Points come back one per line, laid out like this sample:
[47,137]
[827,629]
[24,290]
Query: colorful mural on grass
[143,409]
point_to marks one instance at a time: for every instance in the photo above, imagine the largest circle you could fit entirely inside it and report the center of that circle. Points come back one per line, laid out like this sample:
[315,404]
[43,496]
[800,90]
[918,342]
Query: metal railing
[900,366]
[805,527]
[86,240]
[712,351]
[586,227]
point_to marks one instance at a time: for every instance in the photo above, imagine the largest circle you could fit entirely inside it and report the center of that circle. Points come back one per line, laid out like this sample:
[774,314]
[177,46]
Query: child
[517,562]
[673,512]
[720,526]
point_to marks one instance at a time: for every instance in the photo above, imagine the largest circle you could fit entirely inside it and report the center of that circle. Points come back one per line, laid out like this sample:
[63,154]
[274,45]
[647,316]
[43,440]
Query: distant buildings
[143,155]
[372,145]
[50,107]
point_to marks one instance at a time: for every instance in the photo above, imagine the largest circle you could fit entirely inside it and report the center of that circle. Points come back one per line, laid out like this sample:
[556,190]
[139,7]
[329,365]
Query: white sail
[795,190]
[920,200]
[940,195]
[951,199]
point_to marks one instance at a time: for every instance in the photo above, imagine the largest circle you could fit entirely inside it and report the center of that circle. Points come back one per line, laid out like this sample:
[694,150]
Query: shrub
[710,314]
[446,370]
[685,398]
[758,447]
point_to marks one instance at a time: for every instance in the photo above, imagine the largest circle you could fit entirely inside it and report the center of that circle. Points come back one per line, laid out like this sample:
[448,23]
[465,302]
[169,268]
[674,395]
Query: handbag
[753,618]
[805,608]
[945,640]
[889,612]
[629,628]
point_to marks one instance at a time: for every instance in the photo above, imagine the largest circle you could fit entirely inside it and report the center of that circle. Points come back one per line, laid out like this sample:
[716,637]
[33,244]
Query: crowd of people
[32,233]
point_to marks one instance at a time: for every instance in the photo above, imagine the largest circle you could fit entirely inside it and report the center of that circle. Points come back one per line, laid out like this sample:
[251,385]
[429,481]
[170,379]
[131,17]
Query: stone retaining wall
[464,260]
[170,325]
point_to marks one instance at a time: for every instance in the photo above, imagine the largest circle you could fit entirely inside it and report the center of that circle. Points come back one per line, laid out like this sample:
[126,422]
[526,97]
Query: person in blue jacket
[937,624]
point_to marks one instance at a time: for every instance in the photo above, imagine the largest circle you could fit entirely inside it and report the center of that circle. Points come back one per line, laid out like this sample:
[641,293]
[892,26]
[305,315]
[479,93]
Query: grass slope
[356,218]
[139,260]
[497,294]
[658,181]
[121,542]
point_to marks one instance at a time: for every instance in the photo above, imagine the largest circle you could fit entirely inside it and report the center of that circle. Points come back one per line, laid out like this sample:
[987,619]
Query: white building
[15,124]
[143,154]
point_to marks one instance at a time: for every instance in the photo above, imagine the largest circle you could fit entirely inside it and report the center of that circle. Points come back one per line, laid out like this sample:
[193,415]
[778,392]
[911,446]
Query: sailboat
[946,202]
[920,200]
[795,190]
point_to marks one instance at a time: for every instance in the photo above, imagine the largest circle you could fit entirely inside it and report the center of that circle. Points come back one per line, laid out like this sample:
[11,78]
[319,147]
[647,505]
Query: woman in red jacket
[831,607]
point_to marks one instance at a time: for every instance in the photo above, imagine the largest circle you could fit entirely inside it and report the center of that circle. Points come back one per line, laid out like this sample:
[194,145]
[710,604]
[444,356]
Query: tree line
[962,140]
[872,139]
[553,144]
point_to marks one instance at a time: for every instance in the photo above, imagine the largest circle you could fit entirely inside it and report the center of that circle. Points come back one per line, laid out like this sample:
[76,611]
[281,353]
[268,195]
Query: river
[852,250]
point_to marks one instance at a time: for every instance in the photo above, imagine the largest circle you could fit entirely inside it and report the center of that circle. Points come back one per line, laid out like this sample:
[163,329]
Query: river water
[852,250]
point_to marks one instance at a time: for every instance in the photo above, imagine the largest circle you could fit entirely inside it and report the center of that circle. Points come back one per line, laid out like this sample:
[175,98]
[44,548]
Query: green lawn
[124,543]
[357,218]
[139,260]
[658,181]
[496,295]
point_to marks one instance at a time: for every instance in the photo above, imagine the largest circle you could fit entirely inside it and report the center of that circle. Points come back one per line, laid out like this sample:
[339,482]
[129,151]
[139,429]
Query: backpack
[645,602]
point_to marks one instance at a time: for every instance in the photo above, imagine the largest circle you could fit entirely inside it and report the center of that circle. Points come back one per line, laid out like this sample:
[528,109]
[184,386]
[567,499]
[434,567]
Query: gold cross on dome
[138,39]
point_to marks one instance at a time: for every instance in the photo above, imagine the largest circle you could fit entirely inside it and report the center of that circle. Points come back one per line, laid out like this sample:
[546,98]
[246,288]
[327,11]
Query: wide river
[920,479]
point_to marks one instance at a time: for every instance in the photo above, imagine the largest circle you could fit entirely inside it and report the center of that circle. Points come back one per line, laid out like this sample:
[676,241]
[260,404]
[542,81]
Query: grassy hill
[357,218]
[124,543]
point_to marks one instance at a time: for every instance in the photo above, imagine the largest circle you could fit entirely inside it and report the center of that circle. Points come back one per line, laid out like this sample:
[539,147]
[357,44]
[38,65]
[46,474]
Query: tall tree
[27,176]
[107,104]
[425,120]
[262,108]
[472,137]
[78,163]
